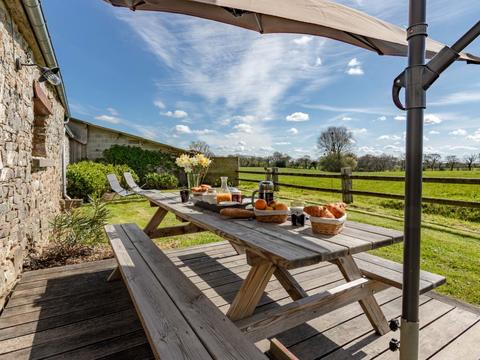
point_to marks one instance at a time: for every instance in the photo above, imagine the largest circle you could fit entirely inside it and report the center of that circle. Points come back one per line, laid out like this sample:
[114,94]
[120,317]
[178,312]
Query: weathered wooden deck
[72,313]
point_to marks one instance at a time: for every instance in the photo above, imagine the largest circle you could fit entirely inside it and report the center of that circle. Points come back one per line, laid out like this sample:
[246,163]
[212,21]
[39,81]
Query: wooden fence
[347,190]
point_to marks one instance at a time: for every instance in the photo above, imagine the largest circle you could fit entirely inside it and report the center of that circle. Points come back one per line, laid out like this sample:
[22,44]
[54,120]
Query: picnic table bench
[270,250]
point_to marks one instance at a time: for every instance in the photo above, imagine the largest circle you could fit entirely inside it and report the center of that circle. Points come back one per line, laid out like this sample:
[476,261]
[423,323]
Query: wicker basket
[327,226]
[272,216]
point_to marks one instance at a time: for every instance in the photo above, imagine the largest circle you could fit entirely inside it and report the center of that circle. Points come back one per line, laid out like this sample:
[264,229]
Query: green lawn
[456,256]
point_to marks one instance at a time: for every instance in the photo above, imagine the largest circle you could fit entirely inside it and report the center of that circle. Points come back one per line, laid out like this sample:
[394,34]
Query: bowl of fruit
[272,212]
[328,219]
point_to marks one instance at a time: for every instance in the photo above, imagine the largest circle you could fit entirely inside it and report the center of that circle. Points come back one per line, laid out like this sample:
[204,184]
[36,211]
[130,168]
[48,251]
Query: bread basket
[272,216]
[327,226]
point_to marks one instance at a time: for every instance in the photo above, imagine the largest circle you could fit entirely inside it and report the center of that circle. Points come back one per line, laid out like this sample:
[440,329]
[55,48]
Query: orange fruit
[281,206]
[269,208]
[260,204]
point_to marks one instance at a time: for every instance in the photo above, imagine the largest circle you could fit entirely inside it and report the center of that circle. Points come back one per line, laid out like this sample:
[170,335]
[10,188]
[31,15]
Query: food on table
[269,208]
[337,209]
[236,195]
[201,189]
[260,204]
[280,206]
[224,197]
[272,203]
[237,213]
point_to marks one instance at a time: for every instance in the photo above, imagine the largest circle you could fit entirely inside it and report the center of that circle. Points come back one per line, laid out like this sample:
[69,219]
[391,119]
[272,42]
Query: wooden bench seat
[391,272]
[179,320]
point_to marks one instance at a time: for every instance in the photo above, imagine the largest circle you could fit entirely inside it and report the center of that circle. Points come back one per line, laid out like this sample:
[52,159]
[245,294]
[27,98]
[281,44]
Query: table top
[283,244]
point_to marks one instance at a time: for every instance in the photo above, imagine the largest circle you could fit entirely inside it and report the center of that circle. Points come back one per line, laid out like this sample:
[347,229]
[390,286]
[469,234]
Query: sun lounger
[116,187]
[131,183]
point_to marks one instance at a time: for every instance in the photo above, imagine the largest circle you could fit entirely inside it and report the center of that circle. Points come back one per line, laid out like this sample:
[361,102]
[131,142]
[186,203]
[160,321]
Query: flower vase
[193,180]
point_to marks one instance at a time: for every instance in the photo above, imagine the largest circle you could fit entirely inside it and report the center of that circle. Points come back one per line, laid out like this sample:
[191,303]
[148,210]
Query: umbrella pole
[415,105]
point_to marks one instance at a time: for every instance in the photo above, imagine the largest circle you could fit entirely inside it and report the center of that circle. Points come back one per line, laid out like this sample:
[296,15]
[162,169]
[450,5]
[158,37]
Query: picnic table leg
[369,304]
[114,275]
[251,291]
[293,288]
[155,221]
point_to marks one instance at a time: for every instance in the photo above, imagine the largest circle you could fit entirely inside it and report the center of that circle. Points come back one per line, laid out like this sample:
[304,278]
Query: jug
[265,191]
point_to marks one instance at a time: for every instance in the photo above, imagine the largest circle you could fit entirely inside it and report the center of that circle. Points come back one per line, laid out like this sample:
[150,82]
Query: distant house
[88,141]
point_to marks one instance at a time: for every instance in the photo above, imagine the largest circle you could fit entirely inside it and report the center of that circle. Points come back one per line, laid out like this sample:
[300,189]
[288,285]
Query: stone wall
[223,166]
[29,196]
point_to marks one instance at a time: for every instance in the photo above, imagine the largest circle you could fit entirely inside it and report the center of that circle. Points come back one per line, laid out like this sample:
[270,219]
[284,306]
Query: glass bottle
[224,192]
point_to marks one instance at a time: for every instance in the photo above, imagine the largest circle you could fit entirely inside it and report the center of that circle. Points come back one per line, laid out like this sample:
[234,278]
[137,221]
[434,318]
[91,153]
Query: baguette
[237,213]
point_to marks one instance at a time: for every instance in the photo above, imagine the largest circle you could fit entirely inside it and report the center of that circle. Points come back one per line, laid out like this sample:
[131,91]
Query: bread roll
[237,213]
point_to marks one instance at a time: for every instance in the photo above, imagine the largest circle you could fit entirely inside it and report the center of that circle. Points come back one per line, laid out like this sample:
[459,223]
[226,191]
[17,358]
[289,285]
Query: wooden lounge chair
[116,187]
[132,184]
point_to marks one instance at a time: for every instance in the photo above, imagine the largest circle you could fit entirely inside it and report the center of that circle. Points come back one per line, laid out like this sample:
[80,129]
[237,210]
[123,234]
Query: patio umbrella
[314,17]
[338,22]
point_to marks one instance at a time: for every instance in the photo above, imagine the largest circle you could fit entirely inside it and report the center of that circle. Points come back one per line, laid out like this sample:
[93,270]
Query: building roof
[71,133]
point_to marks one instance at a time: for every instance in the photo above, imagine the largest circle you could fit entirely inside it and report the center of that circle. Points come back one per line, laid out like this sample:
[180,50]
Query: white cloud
[458,132]
[432,119]
[353,62]
[203,132]
[400,118]
[434,132]
[244,118]
[183,129]
[112,111]
[303,40]
[359,131]
[355,71]
[159,104]
[292,131]
[241,142]
[389,137]
[318,61]
[382,118]
[298,117]
[282,143]
[369,150]
[475,136]
[394,148]
[461,97]
[267,148]
[354,67]
[177,114]
[242,127]
[346,118]
[109,118]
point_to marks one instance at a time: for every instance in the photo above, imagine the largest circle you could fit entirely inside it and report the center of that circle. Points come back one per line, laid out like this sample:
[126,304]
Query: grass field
[444,251]
[461,217]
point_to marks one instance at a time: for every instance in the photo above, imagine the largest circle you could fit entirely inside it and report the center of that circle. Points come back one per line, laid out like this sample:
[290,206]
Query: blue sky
[175,79]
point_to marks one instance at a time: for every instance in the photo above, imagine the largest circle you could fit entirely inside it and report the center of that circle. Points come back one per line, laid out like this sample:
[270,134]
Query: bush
[140,160]
[160,181]
[334,163]
[89,179]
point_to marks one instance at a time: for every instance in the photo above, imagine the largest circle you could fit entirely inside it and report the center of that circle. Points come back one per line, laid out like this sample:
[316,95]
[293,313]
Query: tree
[451,161]
[431,160]
[470,160]
[280,160]
[201,147]
[336,140]
[334,163]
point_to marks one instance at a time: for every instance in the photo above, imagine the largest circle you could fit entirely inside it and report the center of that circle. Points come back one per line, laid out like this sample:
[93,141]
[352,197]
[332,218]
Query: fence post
[347,197]
[276,187]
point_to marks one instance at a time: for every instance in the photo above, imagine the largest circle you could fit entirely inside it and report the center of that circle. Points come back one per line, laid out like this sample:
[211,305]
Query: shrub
[160,181]
[334,162]
[89,179]
[140,160]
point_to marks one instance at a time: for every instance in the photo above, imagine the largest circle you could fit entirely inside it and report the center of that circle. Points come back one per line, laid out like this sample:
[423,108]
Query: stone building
[32,138]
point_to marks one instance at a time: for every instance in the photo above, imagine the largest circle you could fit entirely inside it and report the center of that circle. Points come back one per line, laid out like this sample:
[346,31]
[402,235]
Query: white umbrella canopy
[314,17]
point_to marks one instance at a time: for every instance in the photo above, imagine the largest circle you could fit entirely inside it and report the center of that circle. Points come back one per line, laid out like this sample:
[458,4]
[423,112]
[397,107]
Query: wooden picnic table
[273,249]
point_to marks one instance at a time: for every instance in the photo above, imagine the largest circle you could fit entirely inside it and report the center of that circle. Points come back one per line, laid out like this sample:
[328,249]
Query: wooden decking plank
[140,352]
[111,291]
[370,345]
[30,327]
[329,340]
[68,270]
[40,300]
[55,341]
[60,285]
[439,333]
[203,259]
[465,347]
[195,248]
[167,330]
[107,347]
[218,334]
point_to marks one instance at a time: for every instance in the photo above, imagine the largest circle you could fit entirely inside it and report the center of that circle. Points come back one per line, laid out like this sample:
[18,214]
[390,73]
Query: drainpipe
[34,12]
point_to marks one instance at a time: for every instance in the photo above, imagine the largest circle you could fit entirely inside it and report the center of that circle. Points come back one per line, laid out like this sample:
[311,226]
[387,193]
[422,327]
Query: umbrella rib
[259,22]
[365,41]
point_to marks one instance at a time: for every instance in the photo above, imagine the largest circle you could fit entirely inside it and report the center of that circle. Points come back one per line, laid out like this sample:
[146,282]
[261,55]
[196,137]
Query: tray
[216,208]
